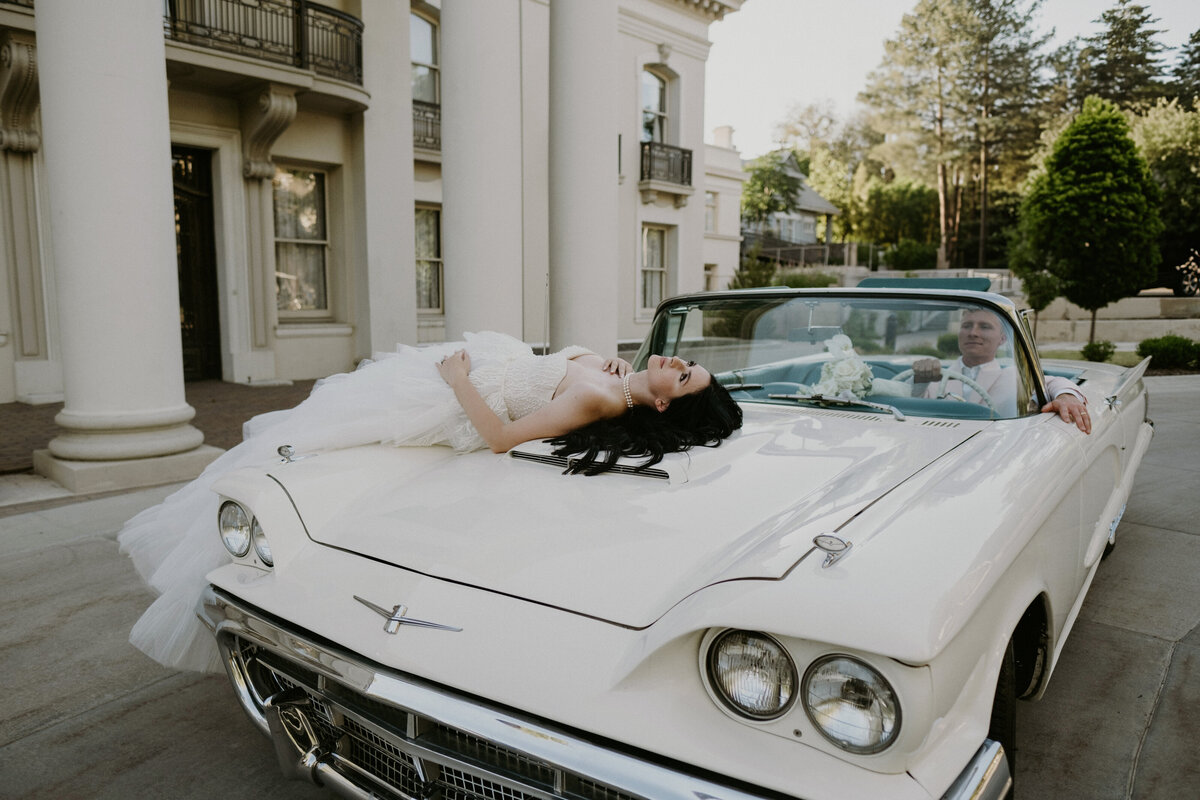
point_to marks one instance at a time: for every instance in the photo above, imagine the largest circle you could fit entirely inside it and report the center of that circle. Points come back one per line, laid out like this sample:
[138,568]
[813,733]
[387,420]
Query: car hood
[618,547]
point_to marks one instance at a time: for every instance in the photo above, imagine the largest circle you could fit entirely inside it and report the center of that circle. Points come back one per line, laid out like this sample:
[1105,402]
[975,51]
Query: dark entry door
[195,248]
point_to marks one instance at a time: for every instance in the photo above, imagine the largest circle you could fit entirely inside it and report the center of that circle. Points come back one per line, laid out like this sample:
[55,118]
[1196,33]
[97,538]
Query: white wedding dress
[398,398]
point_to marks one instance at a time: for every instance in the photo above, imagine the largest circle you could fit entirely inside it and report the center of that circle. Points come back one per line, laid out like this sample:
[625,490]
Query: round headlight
[851,704]
[261,545]
[234,524]
[752,674]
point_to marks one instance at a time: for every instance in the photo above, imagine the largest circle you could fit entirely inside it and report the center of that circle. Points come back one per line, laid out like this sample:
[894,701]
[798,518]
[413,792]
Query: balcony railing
[662,162]
[293,32]
[427,125]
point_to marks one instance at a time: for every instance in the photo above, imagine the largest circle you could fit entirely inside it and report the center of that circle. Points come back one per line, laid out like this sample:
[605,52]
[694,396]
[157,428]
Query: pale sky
[775,54]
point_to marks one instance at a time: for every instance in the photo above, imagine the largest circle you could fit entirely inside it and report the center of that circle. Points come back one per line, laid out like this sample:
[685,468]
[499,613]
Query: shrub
[1100,350]
[1170,351]
[947,345]
[909,255]
[754,271]
[807,279]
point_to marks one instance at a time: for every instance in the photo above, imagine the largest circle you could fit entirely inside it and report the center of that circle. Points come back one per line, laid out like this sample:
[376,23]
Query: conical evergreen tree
[1091,219]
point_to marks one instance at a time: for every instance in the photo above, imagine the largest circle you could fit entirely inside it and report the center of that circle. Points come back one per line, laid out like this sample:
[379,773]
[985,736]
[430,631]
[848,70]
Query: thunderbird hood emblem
[395,618]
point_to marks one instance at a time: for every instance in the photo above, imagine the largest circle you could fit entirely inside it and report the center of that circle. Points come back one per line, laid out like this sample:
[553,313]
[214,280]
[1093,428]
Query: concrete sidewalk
[221,408]
[87,716]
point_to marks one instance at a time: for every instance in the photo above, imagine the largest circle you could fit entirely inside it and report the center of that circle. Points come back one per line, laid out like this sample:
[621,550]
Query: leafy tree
[1168,137]
[770,189]
[1121,63]
[1040,287]
[1091,218]
[831,151]
[902,210]
[808,126]
[1187,70]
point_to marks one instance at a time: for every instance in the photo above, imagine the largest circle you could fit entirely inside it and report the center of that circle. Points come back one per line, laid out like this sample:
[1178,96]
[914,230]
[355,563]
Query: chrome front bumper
[986,777]
[341,722]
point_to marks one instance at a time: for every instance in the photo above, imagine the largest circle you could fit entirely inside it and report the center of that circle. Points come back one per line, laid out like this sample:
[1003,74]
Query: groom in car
[980,335]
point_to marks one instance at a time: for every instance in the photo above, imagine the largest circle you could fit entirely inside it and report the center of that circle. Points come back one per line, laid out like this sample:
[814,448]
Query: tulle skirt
[397,398]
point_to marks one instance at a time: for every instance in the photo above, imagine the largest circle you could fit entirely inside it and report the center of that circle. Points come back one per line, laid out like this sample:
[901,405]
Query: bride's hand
[455,367]
[618,366]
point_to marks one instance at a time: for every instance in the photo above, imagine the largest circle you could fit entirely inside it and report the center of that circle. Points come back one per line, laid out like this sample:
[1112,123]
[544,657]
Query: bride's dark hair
[701,419]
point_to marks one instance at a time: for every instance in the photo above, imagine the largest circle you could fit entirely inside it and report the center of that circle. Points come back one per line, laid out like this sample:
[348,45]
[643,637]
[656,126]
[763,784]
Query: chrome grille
[498,758]
[461,785]
[379,757]
[417,757]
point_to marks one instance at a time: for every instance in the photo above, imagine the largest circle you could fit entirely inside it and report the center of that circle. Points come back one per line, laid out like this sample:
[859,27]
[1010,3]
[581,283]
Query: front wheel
[1003,725]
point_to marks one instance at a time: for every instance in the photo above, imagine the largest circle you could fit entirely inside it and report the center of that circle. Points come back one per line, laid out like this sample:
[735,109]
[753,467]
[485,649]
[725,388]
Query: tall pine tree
[1187,71]
[1122,63]
[1004,58]
[957,98]
[917,99]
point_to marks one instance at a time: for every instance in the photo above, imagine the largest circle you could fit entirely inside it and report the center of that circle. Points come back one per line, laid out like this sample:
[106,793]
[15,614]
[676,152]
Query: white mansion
[315,182]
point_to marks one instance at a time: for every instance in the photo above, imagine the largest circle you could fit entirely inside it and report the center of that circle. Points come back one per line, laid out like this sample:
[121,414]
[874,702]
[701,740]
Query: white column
[481,166]
[107,142]
[386,299]
[583,174]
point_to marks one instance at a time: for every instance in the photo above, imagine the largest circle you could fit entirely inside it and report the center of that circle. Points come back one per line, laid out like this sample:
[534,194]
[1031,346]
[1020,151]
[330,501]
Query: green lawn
[1124,358]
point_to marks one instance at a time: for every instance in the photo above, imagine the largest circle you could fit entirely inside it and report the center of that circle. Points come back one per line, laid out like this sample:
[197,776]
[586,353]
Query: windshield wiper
[840,400]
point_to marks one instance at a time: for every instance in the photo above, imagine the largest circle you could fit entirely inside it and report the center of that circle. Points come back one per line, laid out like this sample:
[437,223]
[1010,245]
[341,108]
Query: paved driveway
[87,716]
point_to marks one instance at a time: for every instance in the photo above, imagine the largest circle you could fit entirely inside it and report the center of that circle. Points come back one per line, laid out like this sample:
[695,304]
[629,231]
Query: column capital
[265,114]
[18,92]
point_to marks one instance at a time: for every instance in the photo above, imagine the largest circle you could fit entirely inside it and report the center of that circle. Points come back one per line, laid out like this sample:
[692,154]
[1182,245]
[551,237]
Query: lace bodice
[529,383]
[513,384]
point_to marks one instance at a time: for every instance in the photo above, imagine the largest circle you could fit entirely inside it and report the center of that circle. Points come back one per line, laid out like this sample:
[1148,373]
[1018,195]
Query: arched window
[654,107]
[424,53]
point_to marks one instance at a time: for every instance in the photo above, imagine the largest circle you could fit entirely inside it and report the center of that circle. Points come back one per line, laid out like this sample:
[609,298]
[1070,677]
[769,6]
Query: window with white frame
[301,243]
[424,54]
[808,229]
[710,212]
[429,259]
[787,230]
[654,107]
[653,282]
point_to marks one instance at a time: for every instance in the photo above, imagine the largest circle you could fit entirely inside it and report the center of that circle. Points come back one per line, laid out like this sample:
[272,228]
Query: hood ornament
[395,618]
[834,547]
[288,455]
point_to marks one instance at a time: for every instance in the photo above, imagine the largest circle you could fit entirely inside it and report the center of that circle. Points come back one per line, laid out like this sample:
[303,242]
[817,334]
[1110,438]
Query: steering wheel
[949,374]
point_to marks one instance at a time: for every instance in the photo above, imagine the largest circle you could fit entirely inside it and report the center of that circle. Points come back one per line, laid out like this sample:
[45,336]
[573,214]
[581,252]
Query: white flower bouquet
[845,373]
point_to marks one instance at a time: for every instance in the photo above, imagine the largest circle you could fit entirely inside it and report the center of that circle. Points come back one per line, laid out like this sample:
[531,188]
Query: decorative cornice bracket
[265,115]
[18,92]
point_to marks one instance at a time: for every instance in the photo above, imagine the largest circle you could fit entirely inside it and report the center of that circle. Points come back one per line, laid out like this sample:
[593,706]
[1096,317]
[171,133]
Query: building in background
[723,181]
[790,238]
[342,177]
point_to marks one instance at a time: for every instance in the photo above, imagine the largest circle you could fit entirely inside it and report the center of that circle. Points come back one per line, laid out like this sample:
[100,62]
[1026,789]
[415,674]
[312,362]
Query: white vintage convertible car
[843,600]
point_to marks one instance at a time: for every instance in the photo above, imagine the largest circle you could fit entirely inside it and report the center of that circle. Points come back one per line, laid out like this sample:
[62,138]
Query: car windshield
[908,354]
